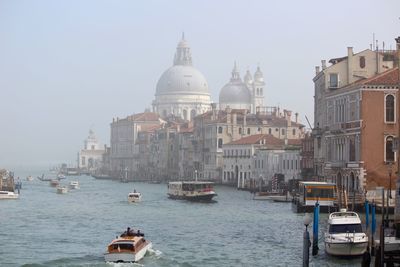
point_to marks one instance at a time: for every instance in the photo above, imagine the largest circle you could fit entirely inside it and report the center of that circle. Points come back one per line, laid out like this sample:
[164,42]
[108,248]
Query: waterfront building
[247,94]
[307,158]
[251,162]
[355,120]
[91,156]
[124,134]
[182,90]
[218,127]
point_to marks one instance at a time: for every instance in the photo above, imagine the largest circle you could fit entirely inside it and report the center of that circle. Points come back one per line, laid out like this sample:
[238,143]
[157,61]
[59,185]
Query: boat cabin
[311,192]
[191,186]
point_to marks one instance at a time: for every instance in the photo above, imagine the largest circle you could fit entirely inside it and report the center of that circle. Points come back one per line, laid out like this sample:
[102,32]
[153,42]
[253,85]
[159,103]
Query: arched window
[362,62]
[240,130]
[269,131]
[389,149]
[192,114]
[220,143]
[248,130]
[389,104]
[220,129]
[294,131]
[185,114]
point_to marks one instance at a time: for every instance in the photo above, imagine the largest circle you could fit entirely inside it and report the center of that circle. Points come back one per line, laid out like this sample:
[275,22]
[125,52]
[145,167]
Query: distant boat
[280,196]
[191,190]
[41,178]
[8,195]
[74,185]
[29,178]
[62,190]
[134,197]
[60,176]
[102,176]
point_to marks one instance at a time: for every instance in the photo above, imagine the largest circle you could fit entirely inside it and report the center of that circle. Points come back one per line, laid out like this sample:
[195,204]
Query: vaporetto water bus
[310,193]
[191,190]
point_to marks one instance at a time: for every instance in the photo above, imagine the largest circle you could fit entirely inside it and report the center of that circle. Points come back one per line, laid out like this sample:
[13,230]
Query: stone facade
[90,158]
[350,130]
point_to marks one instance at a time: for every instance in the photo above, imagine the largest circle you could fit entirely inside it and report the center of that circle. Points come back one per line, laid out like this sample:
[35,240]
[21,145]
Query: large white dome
[182,79]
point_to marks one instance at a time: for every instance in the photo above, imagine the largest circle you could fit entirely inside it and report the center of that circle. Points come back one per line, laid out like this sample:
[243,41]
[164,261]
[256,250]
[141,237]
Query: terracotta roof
[149,127]
[390,77]
[145,116]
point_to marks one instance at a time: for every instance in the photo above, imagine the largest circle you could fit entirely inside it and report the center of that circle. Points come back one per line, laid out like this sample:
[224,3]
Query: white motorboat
[29,178]
[74,185]
[345,236]
[134,197]
[8,195]
[129,247]
[62,190]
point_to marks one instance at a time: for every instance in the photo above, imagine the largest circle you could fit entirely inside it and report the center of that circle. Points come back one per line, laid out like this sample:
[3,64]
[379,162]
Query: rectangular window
[333,80]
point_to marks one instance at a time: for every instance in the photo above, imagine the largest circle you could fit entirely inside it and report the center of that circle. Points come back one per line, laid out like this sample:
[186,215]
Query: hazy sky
[67,66]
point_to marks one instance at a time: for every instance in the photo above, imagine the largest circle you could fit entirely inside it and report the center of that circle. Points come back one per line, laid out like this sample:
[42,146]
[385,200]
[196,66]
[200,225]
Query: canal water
[44,228]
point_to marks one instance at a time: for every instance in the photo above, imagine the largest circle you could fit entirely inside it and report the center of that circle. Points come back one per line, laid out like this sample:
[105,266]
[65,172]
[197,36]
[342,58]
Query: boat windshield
[345,228]
[123,246]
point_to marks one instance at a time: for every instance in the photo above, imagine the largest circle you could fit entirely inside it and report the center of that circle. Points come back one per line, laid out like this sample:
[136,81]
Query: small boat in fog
[131,246]
[74,185]
[8,195]
[62,190]
[29,178]
[134,197]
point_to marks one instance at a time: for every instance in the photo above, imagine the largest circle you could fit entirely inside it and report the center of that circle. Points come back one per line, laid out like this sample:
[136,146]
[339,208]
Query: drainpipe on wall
[397,197]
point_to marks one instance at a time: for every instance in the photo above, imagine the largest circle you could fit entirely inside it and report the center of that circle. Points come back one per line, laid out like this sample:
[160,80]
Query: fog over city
[70,66]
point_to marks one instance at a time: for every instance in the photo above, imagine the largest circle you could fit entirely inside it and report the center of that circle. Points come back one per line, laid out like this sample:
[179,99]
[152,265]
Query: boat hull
[346,249]
[200,198]
[8,195]
[126,256]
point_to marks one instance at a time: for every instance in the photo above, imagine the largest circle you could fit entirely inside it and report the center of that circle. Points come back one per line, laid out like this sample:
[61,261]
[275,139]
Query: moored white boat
[62,190]
[8,195]
[74,185]
[134,197]
[29,178]
[60,176]
[345,236]
[129,247]
[191,190]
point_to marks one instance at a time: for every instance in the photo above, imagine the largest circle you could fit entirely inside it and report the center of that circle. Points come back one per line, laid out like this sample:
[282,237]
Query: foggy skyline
[68,66]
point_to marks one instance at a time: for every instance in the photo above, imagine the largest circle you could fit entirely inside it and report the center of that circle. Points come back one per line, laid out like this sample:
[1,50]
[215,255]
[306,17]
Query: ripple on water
[47,229]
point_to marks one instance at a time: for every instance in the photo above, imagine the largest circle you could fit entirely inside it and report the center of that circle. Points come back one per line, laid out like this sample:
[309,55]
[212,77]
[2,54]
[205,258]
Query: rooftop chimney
[349,65]
[316,70]
[323,63]
[297,117]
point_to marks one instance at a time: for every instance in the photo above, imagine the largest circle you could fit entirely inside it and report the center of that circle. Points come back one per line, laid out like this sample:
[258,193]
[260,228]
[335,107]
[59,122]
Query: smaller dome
[235,93]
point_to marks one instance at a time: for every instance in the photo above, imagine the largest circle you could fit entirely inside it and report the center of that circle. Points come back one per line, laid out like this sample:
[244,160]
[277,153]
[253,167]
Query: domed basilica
[247,94]
[183,91]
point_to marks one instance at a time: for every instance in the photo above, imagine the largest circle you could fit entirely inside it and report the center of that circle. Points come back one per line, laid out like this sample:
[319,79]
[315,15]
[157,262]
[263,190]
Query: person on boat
[134,190]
